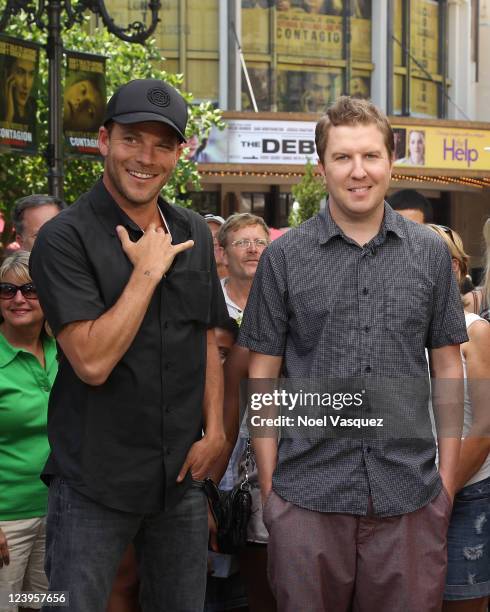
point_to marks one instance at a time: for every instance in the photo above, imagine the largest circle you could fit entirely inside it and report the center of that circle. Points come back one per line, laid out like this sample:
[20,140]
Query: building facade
[274,66]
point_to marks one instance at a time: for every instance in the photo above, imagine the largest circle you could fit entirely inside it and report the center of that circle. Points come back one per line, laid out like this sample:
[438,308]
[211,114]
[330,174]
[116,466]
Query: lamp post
[46,15]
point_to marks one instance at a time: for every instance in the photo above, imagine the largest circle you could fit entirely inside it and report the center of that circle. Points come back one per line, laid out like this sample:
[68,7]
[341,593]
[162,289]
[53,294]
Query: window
[285,205]
[188,36]
[206,202]
[260,76]
[253,203]
[419,58]
[298,55]
[307,89]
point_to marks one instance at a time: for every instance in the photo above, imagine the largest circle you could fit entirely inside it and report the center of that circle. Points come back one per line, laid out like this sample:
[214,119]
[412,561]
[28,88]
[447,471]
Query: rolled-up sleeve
[265,319]
[447,325]
[63,277]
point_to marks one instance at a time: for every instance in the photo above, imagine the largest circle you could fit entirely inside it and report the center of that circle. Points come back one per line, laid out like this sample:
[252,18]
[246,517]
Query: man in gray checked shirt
[358,292]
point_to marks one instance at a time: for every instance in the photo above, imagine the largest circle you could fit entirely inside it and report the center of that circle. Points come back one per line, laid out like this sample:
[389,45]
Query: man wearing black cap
[128,285]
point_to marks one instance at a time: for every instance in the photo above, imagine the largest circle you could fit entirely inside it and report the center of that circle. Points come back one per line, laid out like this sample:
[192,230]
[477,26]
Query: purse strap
[476,300]
[248,454]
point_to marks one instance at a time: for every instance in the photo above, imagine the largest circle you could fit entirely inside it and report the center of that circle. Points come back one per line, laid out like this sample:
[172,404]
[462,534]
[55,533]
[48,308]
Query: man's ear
[321,167]
[180,150]
[19,240]
[392,162]
[104,137]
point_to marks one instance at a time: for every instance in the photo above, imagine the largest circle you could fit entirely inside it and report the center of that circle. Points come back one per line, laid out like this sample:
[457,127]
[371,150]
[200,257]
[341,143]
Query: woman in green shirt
[28,368]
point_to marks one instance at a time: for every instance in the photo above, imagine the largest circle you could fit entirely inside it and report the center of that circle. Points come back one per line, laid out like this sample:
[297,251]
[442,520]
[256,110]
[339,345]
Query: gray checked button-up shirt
[334,309]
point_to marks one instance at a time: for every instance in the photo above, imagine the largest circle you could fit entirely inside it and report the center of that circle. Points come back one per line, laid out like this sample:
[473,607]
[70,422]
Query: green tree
[309,192]
[22,174]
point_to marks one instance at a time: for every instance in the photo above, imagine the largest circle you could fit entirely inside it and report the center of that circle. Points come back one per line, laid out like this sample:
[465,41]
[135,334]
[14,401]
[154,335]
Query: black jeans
[86,542]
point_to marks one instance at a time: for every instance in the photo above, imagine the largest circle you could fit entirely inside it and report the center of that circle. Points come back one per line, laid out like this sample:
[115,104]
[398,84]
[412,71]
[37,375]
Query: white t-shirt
[484,471]
[234,310]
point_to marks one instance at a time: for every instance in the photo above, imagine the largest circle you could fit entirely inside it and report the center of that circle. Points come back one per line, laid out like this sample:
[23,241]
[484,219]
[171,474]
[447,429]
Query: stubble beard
[118,183]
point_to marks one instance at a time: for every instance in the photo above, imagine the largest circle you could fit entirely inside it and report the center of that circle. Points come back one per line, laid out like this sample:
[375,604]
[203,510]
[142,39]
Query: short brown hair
[236,222]
[352,111]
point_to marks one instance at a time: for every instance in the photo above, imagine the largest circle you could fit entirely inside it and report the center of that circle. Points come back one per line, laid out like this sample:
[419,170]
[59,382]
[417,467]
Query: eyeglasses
[245,243]
[8,291]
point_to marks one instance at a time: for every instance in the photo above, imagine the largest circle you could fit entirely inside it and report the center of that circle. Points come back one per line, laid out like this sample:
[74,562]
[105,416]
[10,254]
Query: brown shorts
[328,562]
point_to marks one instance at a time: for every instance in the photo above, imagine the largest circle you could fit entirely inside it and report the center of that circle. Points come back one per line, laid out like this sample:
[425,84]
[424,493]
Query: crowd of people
[133,324]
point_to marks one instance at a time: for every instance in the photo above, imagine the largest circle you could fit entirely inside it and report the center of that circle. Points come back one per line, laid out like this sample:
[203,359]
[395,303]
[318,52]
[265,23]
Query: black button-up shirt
[123,443]
[334,309]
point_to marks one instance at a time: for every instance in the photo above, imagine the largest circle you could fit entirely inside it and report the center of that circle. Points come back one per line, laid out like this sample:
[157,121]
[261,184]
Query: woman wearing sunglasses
[468,575]
[28,368]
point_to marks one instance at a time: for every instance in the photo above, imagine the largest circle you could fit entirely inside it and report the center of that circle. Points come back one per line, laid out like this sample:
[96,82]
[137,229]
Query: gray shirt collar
[328,229]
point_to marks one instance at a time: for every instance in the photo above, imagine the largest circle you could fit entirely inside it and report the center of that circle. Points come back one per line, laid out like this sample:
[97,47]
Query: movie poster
[424,47]
[424,35]
[442,147]
[306,89]
[259,141]
[307,34]
[19,69]
[84,100]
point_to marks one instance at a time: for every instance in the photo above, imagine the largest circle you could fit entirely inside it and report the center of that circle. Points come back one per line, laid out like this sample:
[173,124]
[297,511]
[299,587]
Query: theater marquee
[258,141]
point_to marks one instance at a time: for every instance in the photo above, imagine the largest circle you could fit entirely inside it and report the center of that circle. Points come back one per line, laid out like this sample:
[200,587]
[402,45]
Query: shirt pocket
[188,296]
[309,315]
[407,306]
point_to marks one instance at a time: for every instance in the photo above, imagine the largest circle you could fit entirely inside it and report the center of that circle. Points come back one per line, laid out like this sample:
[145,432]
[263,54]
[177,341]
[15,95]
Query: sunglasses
[447,230]
[8,291]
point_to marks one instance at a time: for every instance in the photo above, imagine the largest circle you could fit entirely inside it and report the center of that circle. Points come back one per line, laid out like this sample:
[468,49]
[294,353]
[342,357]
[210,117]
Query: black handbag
[231,511]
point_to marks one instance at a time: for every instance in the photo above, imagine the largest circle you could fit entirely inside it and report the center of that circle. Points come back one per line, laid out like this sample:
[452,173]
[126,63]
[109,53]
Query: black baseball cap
[148,100]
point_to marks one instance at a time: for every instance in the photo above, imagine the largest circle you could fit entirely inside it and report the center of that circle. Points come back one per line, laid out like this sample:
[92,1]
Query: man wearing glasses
[242,239]
[129,288]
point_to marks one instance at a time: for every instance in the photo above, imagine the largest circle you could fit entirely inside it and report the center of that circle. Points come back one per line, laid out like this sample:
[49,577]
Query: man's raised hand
[154,253]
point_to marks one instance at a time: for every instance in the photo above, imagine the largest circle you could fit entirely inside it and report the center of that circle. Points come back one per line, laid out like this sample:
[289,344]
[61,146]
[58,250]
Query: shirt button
[167,365]
[367,328]
[165,325]
[368,449]
[365,291]
[367,369]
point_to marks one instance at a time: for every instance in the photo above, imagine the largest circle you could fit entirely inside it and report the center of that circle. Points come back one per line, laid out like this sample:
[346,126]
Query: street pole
[54,150]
